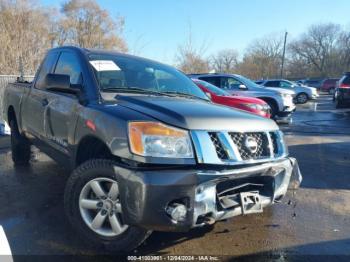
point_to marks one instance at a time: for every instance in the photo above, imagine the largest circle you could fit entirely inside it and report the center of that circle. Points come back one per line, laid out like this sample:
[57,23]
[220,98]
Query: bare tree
[225,61]
[318,48]
[24,35]
[189,58]
[263,57]
[86,24]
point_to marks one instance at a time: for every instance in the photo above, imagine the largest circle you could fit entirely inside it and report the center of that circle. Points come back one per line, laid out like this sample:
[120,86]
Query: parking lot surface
[315,220]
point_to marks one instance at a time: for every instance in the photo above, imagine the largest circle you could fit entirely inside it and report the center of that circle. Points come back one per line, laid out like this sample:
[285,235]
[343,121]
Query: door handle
[44,102]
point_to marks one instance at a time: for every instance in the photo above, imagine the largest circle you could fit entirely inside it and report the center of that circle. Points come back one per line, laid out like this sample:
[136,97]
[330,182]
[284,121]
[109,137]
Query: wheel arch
[91,147]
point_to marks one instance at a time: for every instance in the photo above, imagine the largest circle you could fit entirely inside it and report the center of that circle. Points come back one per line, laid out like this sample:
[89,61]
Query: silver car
[302,93]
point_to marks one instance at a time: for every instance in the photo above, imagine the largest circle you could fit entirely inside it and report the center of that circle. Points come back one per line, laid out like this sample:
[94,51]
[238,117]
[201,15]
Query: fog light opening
[177,211]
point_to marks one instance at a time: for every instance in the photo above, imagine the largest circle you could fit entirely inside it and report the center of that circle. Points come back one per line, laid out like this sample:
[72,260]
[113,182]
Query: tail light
[344,86]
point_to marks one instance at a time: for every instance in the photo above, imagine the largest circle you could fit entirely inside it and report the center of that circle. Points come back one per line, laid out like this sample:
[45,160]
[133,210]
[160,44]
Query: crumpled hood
[195,114]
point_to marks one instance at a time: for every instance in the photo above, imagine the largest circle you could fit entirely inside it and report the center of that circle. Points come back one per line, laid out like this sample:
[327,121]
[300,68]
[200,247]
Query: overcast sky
[155,28]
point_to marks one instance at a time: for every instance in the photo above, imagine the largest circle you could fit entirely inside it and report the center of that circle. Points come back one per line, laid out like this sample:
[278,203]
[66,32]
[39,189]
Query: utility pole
[284,53]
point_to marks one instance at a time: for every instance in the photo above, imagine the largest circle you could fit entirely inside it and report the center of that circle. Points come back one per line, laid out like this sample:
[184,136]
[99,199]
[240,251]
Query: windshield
[117,73]
[217,91]
[247,82]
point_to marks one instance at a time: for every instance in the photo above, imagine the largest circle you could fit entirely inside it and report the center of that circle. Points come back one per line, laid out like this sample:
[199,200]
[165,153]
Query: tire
[302,98]
[338,104]
[20,146]
[273,107]
[101,171]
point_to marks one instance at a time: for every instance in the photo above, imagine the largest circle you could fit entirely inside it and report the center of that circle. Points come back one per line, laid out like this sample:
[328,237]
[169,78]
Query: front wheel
[302,98]
[94,209]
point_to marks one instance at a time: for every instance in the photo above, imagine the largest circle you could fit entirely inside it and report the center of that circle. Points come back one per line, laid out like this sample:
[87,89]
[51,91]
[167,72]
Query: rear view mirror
[242,87]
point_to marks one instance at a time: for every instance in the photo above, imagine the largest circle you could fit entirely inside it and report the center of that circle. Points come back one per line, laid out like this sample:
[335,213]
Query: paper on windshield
[105,65]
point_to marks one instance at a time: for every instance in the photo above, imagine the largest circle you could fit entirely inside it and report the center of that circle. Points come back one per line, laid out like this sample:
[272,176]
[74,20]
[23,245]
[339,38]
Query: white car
[279,100]
[303,93]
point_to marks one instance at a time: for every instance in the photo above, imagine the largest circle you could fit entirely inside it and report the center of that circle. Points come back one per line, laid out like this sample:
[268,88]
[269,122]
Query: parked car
[313,83]
[219,96]
[303,93]
[342,92]
[329,85]
[280,101]
[148,150]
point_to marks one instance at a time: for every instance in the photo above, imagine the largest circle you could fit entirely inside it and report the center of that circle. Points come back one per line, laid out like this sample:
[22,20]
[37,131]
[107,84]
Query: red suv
[329,85]
[219,96]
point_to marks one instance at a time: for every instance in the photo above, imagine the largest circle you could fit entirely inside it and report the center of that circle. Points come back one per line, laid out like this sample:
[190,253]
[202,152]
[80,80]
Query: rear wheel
[20,146]
[302,98]
[94,209]
[338,104]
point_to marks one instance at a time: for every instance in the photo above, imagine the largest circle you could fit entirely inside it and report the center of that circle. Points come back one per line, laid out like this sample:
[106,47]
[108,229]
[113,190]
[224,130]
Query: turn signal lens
[159,140]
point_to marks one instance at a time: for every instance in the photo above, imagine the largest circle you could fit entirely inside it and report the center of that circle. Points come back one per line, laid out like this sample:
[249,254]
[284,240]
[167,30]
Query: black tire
[338,104]
[274,108]
[20,146]
[302,98]
[91,169]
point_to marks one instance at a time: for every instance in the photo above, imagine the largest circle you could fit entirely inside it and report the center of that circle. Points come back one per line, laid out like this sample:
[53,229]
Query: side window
[230,83]
[68,64]
[45,68]
[284,84]
[212,80]
[272,84]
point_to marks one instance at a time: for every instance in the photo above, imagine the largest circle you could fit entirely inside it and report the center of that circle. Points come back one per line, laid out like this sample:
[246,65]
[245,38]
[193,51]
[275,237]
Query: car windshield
[247,82]
[217,91]
[117,73]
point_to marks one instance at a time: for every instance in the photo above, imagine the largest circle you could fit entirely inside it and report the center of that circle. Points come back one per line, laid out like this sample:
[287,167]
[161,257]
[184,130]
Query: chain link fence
[4,80]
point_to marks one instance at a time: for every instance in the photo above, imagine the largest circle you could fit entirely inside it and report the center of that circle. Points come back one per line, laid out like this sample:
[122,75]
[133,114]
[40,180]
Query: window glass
[230,83]
[285,84]
[212,80]
[272,83]
[214,89]
[115,72]
[68,64]
[45,69]
[346,80]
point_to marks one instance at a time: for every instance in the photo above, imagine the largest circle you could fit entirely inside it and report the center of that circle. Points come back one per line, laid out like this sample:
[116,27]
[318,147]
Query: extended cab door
[61,116]
[35,103]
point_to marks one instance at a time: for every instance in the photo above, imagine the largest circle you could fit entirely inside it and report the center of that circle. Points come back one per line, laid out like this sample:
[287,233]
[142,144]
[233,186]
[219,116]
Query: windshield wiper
[185,95]
[133,90]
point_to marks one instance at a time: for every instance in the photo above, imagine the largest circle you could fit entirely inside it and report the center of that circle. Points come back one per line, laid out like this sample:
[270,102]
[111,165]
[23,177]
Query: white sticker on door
[104,65]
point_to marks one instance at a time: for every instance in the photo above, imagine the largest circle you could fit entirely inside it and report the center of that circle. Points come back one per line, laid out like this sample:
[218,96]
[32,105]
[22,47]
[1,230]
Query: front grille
[218,146]
[234,148]
[262,150]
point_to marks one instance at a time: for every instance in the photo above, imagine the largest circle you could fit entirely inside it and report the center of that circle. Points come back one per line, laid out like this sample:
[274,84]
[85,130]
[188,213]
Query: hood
[193,114]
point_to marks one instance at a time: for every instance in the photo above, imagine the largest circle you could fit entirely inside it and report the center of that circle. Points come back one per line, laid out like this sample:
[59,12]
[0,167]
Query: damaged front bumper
[206,196]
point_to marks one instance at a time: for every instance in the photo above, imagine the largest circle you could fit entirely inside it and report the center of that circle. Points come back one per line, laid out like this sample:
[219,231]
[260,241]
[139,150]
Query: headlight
[258,107]
[286,96]
[158,140]
[254,106]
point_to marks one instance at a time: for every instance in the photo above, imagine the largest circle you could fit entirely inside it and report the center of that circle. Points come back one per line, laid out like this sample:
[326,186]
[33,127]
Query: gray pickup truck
[148,150]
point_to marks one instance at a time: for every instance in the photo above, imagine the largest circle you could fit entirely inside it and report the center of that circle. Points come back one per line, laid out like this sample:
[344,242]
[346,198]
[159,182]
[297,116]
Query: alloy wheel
[100,207]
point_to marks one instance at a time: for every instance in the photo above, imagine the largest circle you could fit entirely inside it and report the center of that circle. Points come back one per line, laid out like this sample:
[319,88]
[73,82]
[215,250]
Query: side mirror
[242,87]
[208,95]
[60,83]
